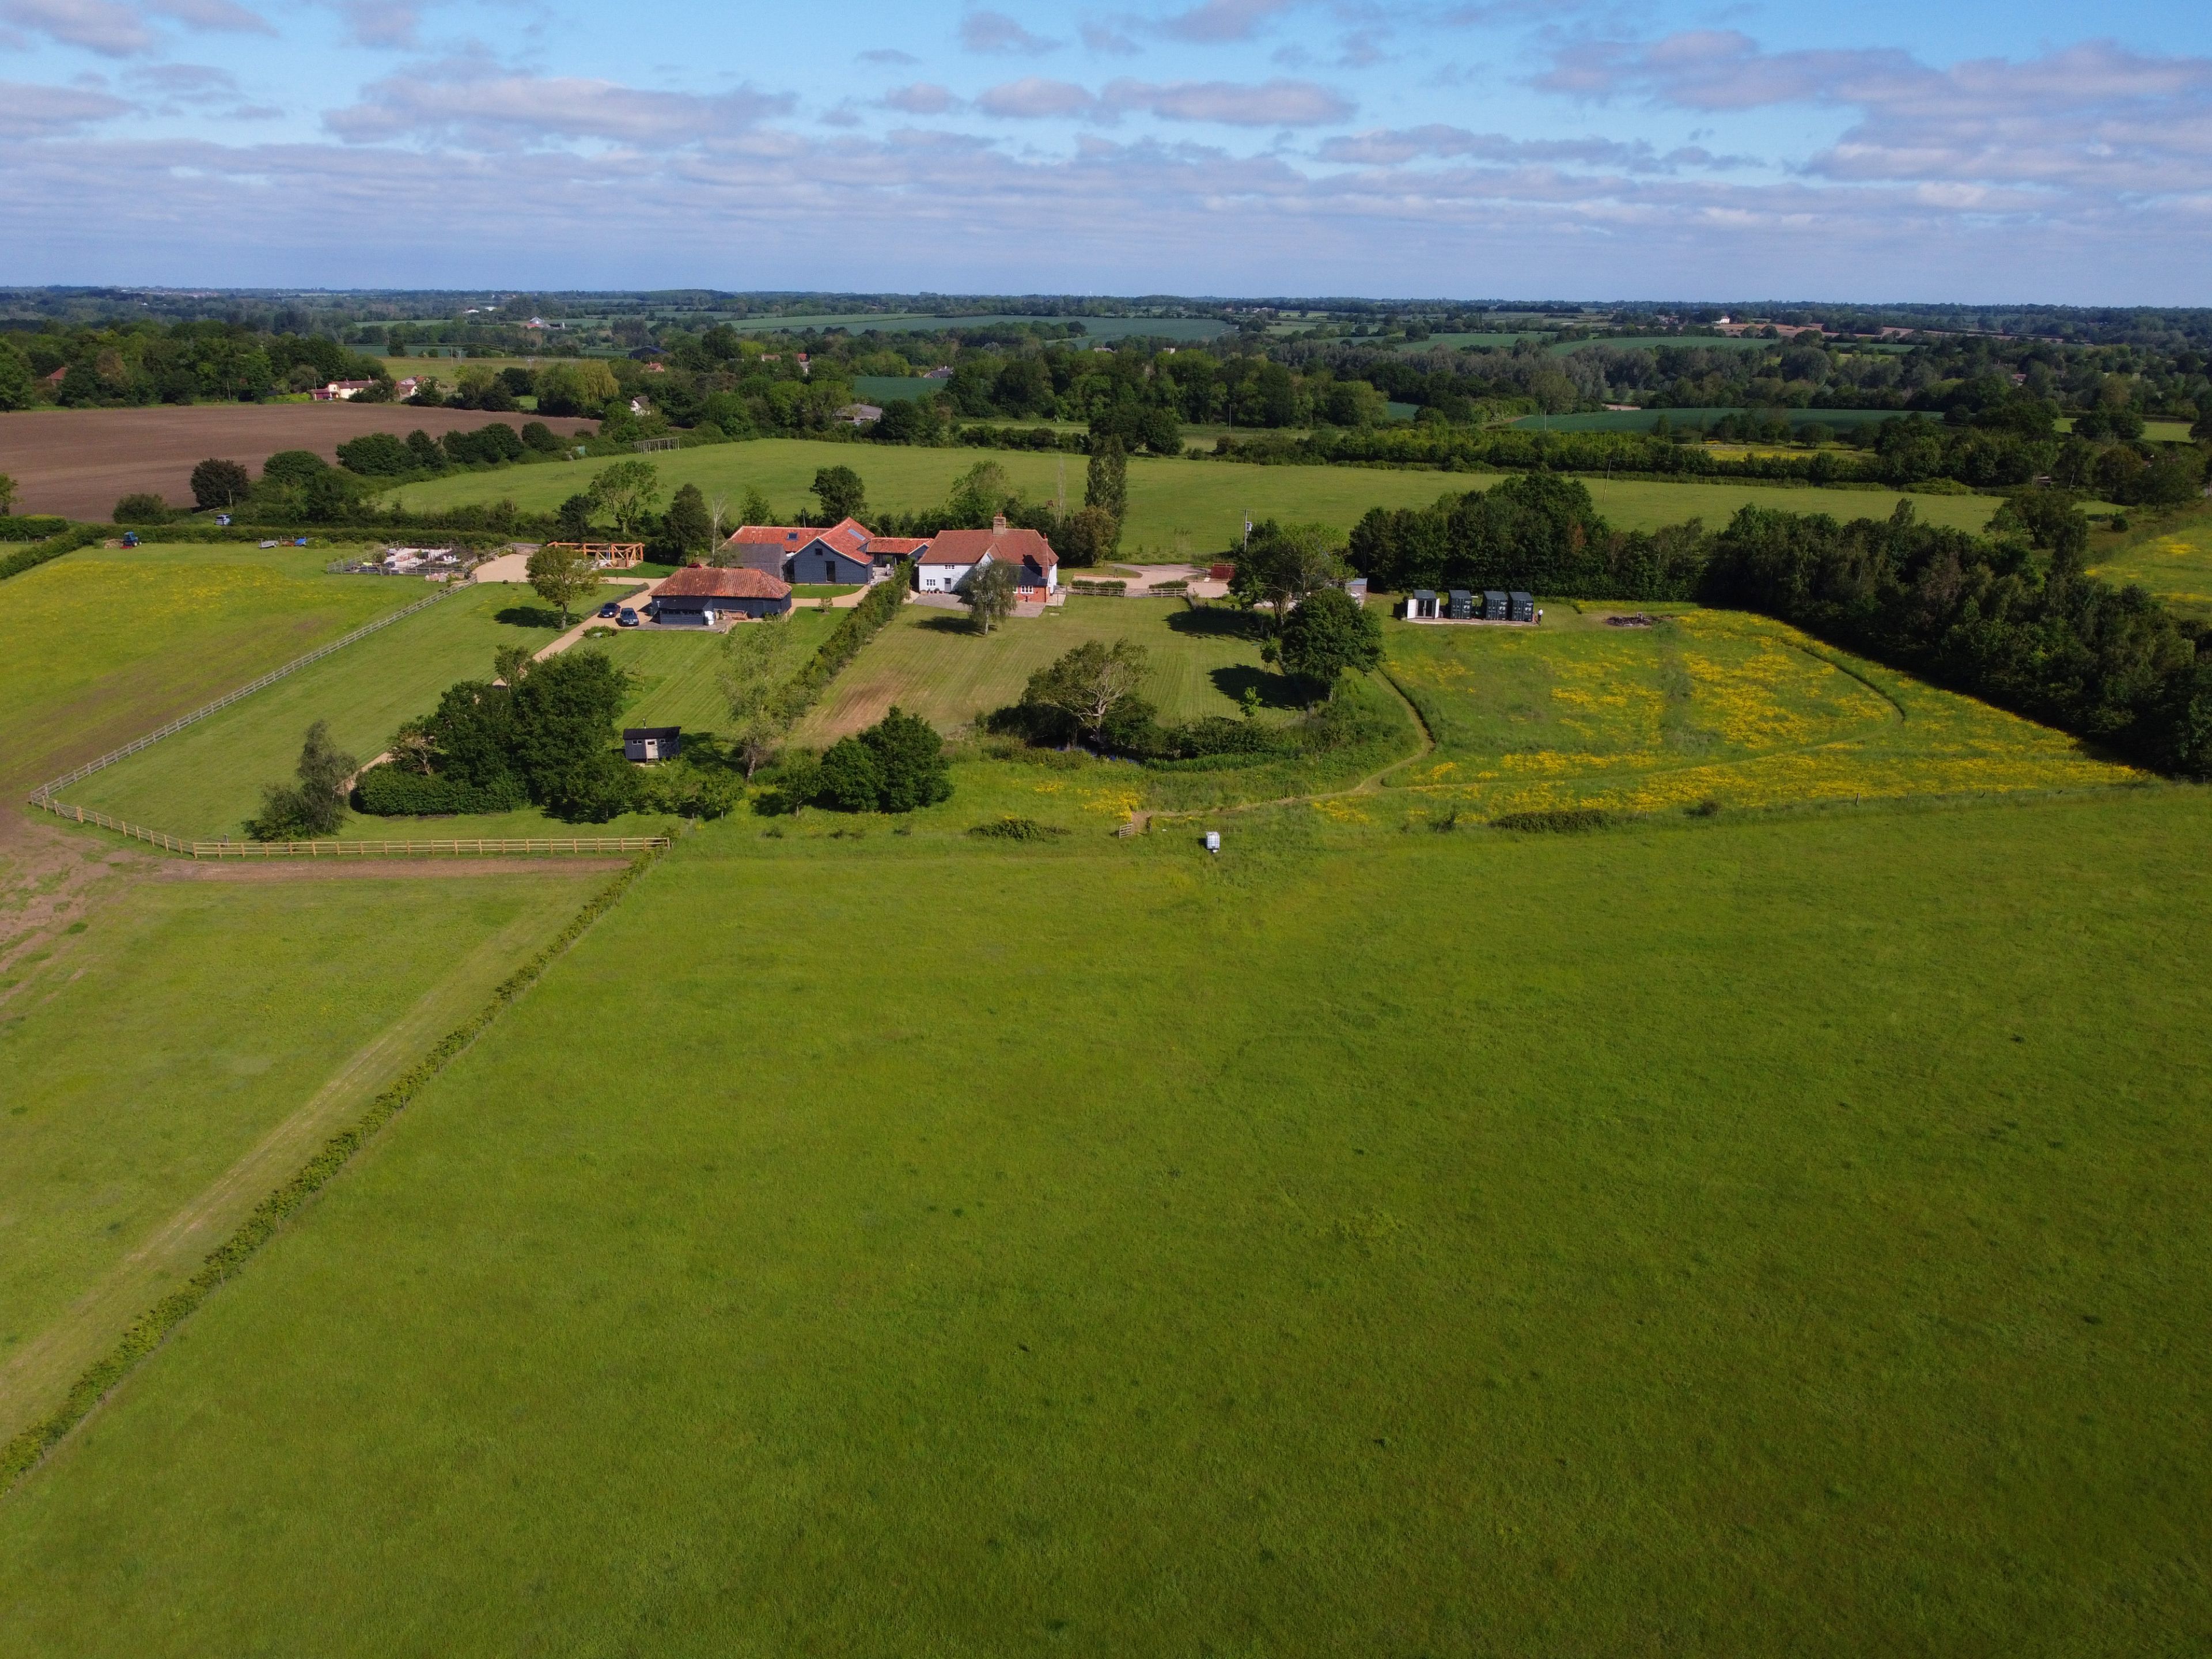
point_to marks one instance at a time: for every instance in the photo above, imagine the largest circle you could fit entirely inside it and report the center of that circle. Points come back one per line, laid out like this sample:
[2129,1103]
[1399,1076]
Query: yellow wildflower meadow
[1710,705]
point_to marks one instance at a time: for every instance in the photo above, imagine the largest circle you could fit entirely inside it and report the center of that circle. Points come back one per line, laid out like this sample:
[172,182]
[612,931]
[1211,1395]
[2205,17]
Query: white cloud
[1277,103]
[922,98]
[213,16]
[33,111]
[389,24]
[99,26]
[996,32]
[1216,20]
[467,100]
[1034,98]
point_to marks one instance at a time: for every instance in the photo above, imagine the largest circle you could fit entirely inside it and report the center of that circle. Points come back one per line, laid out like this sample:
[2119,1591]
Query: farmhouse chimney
[999,525]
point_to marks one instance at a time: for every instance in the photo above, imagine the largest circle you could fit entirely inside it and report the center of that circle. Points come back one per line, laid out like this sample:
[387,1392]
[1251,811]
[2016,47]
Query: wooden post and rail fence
[553,846]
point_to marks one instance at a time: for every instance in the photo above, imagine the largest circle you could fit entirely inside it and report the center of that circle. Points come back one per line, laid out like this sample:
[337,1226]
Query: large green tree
[988,593]
[561,575]
[626,492]
[688,523]
[315,805]
[841,493]
[219,484]
[1090,683]
[1329,634]
[1282,563]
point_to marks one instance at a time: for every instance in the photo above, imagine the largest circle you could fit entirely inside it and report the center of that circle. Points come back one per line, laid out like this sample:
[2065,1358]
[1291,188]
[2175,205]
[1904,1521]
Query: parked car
[609,608]
[626,618]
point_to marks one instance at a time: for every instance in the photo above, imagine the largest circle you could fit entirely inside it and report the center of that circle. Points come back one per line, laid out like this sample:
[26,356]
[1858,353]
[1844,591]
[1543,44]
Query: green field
[676,675]
[931,663]
[2157,432]
[207,780]
[1708,705]
[2172,558]
[1178,509]
[184,1053]
[1759,1236]
[103,646]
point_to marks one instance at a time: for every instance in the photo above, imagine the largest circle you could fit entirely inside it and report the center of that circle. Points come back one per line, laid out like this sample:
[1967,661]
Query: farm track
[36,1373]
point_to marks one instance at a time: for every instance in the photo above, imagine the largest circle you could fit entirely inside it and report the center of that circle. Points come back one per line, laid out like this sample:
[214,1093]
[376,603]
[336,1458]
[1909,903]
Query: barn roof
[703,581]
[999,543]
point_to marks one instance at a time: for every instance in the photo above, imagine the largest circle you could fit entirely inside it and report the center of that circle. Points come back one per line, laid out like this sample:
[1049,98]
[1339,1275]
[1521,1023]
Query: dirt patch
[79,462]
[409,869]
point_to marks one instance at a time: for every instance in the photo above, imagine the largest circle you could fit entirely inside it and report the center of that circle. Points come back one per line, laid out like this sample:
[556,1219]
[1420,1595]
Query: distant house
[846,554]
[860,414]
[340,391]
[701,596]
[955,555]
[942,372]
[652,743]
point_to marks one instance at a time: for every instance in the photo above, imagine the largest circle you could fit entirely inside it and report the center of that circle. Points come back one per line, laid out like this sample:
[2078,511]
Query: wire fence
[43,793]
[488,846]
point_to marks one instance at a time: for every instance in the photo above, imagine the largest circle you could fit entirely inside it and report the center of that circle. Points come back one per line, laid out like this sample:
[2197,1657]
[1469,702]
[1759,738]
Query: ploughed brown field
[79,462]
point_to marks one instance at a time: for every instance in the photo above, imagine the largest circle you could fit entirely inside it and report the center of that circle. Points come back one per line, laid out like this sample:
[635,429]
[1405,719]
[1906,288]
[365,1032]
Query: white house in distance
[953,555]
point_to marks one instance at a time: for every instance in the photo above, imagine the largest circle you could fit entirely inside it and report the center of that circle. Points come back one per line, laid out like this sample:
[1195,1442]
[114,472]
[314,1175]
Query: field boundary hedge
[151,1328]
[45,552]
[855,629]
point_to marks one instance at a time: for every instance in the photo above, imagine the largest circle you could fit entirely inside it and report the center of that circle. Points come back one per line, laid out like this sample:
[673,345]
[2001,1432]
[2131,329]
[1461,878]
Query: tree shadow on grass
[1218,622]
[528,615]
[949,624]
[1291,692]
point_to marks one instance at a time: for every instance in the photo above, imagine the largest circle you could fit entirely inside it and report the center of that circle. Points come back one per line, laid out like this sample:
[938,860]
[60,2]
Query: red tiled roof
[1007,546]
[901,546]
[701,581]
[849,537]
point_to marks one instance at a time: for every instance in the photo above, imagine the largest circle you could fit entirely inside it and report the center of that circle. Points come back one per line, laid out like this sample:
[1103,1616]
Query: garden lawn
[1708,705]
[675,674]
[192,1029]
[1757,1237]
[207,780]
[932,662]
[103,646]
[2173,559]
[1178,509]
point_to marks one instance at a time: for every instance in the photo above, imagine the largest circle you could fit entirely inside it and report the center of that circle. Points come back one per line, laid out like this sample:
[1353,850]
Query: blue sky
[1975,151]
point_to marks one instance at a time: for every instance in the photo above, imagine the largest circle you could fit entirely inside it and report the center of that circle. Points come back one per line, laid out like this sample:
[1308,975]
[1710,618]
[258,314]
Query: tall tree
[6,495]
[757,667]
[1329,634]
[1283,564]
[626,491]
[1089,683]
[217,483]
[988,593]
[688,522]
[315,805]
[841,494]
[979,495]
[1106,485]
[561,576]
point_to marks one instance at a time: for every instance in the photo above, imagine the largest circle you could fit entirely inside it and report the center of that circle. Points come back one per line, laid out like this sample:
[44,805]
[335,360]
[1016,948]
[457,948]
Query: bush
[851,780]
[688,791]
[376,455]
[387,791]
[895,766]
[218,483]
[294,469]
[1014,828]
[537,435]
[142,509]
[1556,820]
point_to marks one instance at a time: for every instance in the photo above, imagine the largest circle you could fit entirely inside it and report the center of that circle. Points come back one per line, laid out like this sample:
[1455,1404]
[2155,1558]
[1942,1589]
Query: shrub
[851,780]
[387,791]
[1014,828]
[537,435]
[1556,820]
[688,791]
[316,804]
[294,469]
[142,509]
[376,455]
[218,483]
[895,766]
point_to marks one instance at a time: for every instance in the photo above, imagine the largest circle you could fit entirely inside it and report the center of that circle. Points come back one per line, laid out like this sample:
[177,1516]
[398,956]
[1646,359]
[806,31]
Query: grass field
[677,676]
[181,1055]
[2157,432]
[1757,1237]
[2172,558]
[930,663]
[1177,510]
[1708,705]
[103,646]
[1642,420]
[207,780]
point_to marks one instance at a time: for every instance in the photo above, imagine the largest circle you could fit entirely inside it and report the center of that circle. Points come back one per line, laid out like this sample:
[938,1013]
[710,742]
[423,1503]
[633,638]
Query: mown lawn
[2171,557]
[1178,509]
[145,1054]
[677,675]
[932,663]
[1707,705]
[101,646]
[1752,1236]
